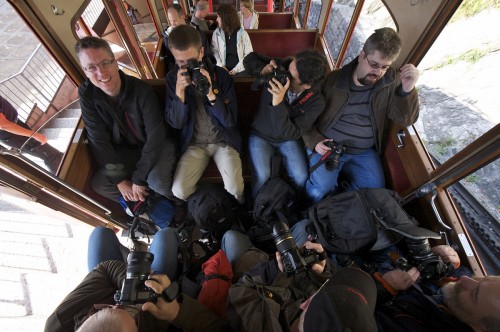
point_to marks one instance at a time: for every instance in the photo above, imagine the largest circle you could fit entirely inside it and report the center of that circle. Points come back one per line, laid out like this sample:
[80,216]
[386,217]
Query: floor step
[61,123]
[70,112]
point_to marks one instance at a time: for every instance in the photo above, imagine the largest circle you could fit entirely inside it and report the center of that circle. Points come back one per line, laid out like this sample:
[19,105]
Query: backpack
[254,306]
[155,212]
[212,208]
[363,219]
[207,278]
[275,195]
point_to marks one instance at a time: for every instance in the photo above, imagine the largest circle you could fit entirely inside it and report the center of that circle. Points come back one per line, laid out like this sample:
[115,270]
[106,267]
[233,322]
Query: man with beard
[411,303]
[360,98]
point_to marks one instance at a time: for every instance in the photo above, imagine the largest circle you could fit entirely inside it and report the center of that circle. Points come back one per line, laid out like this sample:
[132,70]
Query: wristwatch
[172,292]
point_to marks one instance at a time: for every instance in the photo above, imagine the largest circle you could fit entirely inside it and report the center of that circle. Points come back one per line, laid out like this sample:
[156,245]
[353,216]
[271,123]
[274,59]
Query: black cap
[345,303]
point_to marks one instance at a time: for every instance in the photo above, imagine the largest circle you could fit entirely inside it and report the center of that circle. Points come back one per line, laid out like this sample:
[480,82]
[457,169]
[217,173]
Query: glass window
[288,6]
[374,15]
[314,13]
[302,11]
[459,102]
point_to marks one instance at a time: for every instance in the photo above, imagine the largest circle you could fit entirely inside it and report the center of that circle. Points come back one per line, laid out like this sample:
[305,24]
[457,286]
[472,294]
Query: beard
[454,303]
[369,79]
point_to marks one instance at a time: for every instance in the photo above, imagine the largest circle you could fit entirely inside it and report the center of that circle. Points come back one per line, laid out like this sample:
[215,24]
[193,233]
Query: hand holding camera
[291,260]
[278,90]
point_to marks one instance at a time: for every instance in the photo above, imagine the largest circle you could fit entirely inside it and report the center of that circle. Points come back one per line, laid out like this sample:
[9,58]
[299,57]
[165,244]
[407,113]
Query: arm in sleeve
[217,50]
[247,49]
[404,108]
[296,127]
[176,112]
[225,109]
[98,286]
[205,319]
[255,62]
[154,128]
[99,136]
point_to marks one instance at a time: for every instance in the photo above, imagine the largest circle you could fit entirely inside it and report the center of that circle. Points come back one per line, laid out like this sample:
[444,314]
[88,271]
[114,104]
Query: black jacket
[139,112]
[283,122]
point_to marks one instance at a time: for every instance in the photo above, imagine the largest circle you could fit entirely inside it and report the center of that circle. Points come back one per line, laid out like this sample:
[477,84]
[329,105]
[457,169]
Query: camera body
[201,83]
[430,265]
[280,73]
[332,157]
[294,261]
[133,289]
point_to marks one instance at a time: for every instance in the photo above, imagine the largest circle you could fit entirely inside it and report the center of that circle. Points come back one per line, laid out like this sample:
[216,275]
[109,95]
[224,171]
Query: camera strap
[336,151]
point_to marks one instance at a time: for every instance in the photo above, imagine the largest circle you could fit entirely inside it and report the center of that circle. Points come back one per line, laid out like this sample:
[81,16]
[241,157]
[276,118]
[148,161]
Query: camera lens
[139,265]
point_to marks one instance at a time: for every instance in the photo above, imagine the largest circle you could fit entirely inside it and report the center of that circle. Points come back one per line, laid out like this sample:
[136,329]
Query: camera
[200,81]
[133,289]
[280,73]
[293,261]
[430,265]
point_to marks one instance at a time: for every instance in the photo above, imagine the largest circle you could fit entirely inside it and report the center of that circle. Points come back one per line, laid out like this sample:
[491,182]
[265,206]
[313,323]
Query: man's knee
[181,191]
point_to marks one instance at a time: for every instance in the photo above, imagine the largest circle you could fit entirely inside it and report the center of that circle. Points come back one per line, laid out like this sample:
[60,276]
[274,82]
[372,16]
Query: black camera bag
[353,221]
[212,208]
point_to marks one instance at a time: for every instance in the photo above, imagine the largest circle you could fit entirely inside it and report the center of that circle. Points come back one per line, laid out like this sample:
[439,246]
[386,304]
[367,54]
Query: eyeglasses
[105,64]
[375,65]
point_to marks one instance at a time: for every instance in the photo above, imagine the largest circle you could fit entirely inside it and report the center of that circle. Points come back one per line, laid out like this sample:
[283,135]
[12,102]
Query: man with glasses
[125,128]
[207,119]
[360,99]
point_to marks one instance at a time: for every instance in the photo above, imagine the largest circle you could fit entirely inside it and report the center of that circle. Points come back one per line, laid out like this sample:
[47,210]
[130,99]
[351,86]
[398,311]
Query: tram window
[288,6]
[314,13]
[459,95]
[302,11]
[374,15]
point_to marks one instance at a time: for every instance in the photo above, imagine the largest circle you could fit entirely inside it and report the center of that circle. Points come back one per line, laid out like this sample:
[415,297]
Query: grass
[470,8]
[471,178]
[441,146]
[470,56]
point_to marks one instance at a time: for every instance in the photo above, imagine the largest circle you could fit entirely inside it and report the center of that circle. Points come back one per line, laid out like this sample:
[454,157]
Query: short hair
[201,5]
[177,8]
[94,43]
[311,66]
[230,21]
[106,319]
[248,4]
[183,37]
[384,40]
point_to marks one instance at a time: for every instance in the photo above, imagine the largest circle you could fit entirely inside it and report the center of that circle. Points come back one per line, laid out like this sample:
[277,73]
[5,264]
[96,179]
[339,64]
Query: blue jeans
[364,171]
[104,246]
[235,244]
[294,161]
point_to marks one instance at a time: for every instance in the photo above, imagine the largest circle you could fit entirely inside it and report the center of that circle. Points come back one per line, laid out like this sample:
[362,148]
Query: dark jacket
[142,125]
[224,113]
[99,286]
[387,103]
[283,122]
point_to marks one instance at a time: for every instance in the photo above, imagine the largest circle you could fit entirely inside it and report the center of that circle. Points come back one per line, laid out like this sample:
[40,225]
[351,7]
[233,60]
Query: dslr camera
[280,73]
[133,289]
[294,261]
[200,81]
[430,265]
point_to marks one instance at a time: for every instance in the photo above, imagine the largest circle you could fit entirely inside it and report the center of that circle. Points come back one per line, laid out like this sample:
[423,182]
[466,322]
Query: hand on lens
[161,309]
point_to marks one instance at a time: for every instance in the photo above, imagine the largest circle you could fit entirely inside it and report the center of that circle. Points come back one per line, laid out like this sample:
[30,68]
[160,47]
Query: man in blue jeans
[360,99]
[288,107]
